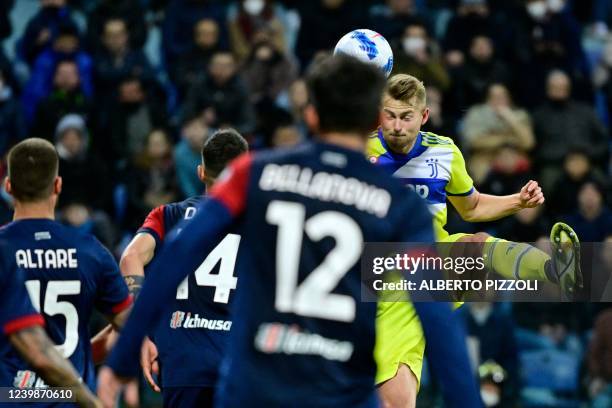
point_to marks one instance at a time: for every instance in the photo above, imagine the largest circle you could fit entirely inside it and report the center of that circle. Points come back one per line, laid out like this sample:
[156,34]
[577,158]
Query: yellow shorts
[399,335]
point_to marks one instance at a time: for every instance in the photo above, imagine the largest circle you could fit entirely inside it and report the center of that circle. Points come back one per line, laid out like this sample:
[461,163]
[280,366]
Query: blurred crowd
[128,90]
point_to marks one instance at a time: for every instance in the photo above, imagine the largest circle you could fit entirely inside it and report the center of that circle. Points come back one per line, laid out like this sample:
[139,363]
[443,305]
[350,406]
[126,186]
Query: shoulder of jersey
[433,140]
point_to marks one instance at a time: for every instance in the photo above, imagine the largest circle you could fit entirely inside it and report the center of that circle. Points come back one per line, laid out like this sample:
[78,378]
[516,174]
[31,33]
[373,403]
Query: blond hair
[405,88]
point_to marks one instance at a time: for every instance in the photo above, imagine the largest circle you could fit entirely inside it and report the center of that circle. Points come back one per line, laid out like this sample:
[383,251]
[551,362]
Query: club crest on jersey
[433,165]
[176,320]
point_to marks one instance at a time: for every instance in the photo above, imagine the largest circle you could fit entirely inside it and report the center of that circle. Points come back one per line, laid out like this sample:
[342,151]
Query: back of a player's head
[406,89]
[32,170]
[346,94]
[221,148]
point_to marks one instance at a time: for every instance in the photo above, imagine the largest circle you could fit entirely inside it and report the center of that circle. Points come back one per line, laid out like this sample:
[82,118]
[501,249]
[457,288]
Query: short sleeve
[232,186]
[112,295]
[154,224]
[460,183]
[16,310]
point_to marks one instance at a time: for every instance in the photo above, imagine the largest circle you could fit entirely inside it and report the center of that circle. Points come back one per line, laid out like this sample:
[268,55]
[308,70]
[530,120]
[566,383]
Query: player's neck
[352,141]
[41,209]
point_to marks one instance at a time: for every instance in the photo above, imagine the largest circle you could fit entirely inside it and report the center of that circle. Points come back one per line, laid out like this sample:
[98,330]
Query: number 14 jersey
[194,328]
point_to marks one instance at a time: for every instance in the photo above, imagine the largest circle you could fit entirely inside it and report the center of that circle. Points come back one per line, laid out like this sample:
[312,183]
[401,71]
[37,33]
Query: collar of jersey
[416,150]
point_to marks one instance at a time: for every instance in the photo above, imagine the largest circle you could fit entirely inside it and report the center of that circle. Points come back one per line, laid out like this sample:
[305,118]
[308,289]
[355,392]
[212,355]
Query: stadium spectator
[602,75]
[116,60]
[323,23]
[544,40]
[592,220]
[562,124]
[473,18]
[128,10]
[85,175]
[6,28]
[12,125]
[268,71]
[298,99]
[600,361]
[482,68]
[489,126]
[225,92]
[577,169]
[528,225]
[493,330]
[391,18]
[420,55]
[66,97]
[43,28]
[439,122]
[510,169]
[251,20]
[187,153]
[191,66]
[125,125]
[180,18]
[8,72]
[151,180]
[65,47]
[86,188]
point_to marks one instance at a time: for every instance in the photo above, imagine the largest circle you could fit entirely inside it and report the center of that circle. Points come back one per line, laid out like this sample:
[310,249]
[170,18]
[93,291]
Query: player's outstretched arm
[182,255]
[136,256]
[478,207]
[35,347]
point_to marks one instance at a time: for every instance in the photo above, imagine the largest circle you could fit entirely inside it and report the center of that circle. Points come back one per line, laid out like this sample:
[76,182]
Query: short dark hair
[32,169]
[346,93]
[222,147]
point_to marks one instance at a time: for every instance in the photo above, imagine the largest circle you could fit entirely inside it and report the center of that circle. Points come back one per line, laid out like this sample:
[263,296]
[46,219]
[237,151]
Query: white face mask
[412,45]
[481,314]
[556,5]
[537,9]
[254,7]
[490,399]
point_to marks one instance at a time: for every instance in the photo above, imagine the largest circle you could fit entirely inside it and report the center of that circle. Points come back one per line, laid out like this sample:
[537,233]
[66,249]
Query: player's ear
[201,173]
[7,185]
[311,117]
[57,185]
[425,116]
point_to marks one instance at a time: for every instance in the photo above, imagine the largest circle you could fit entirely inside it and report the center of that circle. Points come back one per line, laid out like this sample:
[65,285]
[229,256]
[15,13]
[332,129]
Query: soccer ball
[367,46]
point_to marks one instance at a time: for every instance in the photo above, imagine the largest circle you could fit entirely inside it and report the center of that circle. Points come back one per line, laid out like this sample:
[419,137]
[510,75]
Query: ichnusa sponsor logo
[278,338]
[187,321]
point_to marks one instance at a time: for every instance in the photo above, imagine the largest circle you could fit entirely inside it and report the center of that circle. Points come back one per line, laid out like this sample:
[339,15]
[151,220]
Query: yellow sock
[515,260]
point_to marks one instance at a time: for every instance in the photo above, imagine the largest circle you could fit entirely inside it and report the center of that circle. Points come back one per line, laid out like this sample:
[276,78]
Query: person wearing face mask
[546,38]
[493,331]
[250,21]
[560,124]
[419,56]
